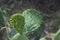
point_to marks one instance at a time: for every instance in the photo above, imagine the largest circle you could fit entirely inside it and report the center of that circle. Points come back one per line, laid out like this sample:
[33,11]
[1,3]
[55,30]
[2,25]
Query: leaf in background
[33,21]
[43,38]
[57,36]
[19,37]
[3,17]
[17,21]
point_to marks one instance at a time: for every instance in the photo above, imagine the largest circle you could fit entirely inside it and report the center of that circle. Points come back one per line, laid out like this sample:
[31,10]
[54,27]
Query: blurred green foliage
[57,35]
[3,17]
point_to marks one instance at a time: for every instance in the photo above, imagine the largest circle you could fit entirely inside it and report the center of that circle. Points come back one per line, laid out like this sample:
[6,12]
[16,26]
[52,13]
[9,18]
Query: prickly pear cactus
[17,20]
[57,36]
[33,21]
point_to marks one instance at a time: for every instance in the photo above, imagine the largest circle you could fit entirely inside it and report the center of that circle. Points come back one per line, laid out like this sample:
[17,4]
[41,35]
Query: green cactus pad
[17,20]
[33,21]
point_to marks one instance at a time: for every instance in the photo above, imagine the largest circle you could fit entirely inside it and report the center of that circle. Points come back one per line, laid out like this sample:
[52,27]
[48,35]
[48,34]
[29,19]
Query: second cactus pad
[33,21]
